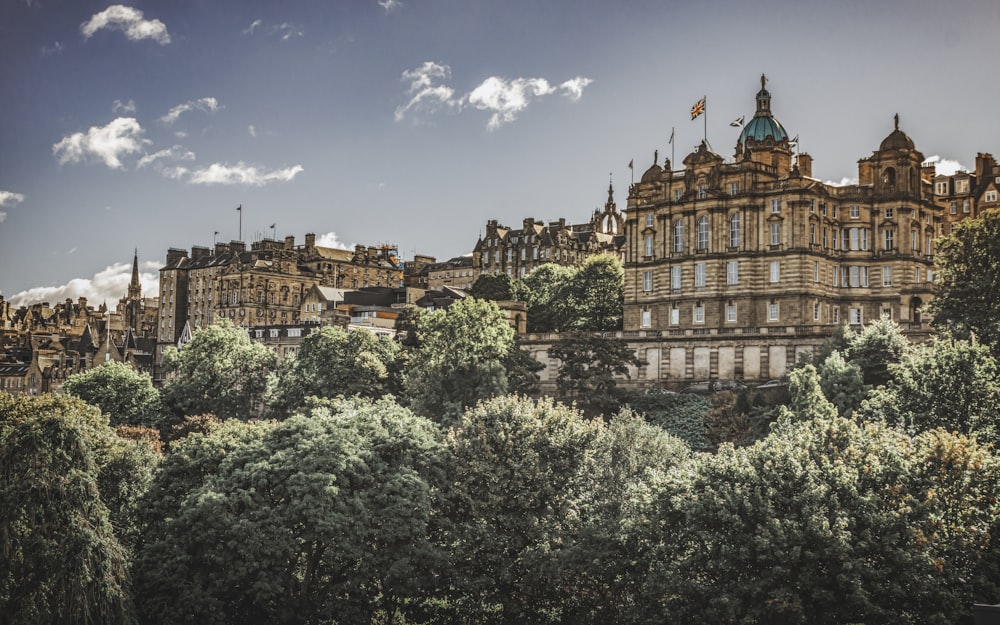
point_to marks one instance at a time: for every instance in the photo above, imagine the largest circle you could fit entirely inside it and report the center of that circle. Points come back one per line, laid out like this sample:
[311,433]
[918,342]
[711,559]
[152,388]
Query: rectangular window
[836,315]
[855,276]
[888,213]
[812,206]
[772,311]
[732,272]
[855,211]
[855,316]
[953,208]
[941,188]
[815,271]
[699,274]
[675,316]
[888,237]
[699,313]
[864,238]
[731,313]
[775,234]
[991,196]
[812,234]
[524,253]
[887,313]
[965,205]
[854,239]
[916,275]
[675,278]
[775,271]
[649,220]
[677,195]
[886,276]
[930,275]
[864,277]
[647,318]
[836,210]
[734,188]
[816,311]
[647,280]
[775,206]
[649,245]
[701,192]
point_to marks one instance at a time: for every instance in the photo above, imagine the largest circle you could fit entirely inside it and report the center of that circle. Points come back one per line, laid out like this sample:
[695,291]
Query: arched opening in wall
[915,304]
[889,179]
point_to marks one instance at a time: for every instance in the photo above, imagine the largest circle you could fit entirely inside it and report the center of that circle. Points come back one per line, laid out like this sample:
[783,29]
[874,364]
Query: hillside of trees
[425,481]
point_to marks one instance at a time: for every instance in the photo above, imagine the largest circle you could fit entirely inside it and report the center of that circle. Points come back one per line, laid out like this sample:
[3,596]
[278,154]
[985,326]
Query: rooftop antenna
[239,209]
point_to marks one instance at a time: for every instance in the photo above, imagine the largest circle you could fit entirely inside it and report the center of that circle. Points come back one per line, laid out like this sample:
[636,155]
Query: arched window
[734,230]
[678,236]
[889,177]
[703,232]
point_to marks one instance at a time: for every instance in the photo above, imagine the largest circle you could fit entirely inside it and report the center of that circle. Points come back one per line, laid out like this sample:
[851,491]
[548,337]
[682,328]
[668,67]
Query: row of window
[855,315]
[846,276]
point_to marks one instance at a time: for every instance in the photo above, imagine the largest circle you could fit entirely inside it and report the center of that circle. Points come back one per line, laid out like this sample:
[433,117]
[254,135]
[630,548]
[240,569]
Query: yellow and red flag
[698,108]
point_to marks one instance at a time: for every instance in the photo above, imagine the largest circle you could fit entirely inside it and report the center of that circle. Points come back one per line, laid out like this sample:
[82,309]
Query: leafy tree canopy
[588,367]
[124,394]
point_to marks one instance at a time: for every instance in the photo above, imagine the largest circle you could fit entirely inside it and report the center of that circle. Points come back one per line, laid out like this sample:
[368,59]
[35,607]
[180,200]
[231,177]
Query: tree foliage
[220,371]
[498,286]
[679,414]
[968,280]
[878,345]
[842,383]
[332,362]
[588,298]
[589,365]
[124,394]
[459,360]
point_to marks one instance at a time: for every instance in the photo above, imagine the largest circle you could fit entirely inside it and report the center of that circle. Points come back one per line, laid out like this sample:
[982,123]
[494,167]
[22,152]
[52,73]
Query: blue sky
[413,122]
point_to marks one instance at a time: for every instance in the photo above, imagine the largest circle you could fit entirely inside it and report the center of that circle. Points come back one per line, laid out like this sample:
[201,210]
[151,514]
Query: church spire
[135,287]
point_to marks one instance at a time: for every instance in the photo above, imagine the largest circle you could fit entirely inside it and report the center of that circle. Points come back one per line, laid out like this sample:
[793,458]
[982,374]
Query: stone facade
[964,194]
[734,268]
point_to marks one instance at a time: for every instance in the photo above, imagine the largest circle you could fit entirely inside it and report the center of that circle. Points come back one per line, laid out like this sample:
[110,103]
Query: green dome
[760,128]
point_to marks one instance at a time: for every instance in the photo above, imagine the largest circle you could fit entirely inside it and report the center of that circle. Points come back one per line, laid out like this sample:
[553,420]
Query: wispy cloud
[283,31]
[108,143]
[944,166]
[55,48]
[389,5]
[242,174]
[504,98]
[846,181]
[128,20]
[252,130]
[209,105]
[123,107]
[107,286]
[171,154]
[330,240]
[8,198]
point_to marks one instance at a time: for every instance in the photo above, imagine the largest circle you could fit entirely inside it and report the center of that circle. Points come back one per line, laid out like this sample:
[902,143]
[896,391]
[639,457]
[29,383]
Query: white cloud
[944,166]
[284,30]
[330,240]
[504,98]
[107,286]
[209,105]
[252,130]
[253,25]
[9,198]
[55,48]
[846,181]
[3,216]
[175,153]
[390,5]
[241,173]
[121,136]
[123,107]
[128,20]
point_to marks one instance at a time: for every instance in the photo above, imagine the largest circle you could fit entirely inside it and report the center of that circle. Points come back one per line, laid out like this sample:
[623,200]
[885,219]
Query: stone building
[263,286]
[517,251]
[966,194]
[733,268]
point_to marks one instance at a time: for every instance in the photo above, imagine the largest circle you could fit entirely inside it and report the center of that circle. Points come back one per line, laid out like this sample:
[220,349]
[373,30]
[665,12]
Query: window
[962,186]
[916,275]
[776,233]
[855,316]
[864,277]
[812,206]
[699,274]
[953,208]
[732,272]
[822,209]
[675,315]
[854,239]
[772,311]
[775,206]
[826,237]
[836,315]
[678,236]
[886,276]
[816,311]
[274,333]
[703,233]
[914,240]
[701,192]
[815,271]
[731,312]
[524,253]
[991,196]
[864,238]
[930,275]
[647,280]
[734,230]
[941,188]
[649,220]
[836,211]
[888,237]
[699,313]
[888,213]
[855,276]
[294,333]
[675,278]
[734,188]
[649,245]
[647,318]
[812,234]
[887,313]
[927,244]
[677,195]
[775,271]
[965,205]
[855,211]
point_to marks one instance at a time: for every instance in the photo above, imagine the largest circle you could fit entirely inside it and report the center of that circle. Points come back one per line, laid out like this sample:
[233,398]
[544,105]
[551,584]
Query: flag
[216,233]
[239,208]
[630,163]
[738,122]
[671,142]
[273,225]
[698,108]
[794,142]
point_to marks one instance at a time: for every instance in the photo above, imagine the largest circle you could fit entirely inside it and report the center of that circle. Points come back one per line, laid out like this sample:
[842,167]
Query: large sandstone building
[734,267]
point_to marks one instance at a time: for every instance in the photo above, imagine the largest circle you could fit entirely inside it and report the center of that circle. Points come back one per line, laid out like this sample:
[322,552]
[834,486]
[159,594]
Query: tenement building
[734,267]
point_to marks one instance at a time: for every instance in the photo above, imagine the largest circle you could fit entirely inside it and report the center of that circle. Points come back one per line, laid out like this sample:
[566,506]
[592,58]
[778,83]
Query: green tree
[220,371]
[522,370]
[589,366]
[520,469]
[826,521]
[121,392]
[498,286]
[680,414]
[878,345]
[332,362]
[968,280]
[62,562]
[459,360]
[945,383]
[321,518]
[808,401]
[595,293]
[842,383]
[549,308]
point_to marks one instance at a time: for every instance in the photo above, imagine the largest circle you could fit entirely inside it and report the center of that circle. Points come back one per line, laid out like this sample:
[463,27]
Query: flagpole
[672,128]
[705,98]
[239,209]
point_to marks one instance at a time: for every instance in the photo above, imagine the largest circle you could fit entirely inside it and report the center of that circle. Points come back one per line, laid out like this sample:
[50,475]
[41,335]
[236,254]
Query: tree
[945,383]
[332,362]
[880,344]
[520,469]
[121,392]
[459,359]
[588,367]
[679,414]
[968,280]
[220,371]
[522,370]
[826,521]
[808,401]
[62,562]
[549,309]
[323,517]
[596,292]
[498,286]
[842,383]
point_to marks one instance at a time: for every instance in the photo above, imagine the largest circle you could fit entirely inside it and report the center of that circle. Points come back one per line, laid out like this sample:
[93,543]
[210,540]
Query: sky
[142,126]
